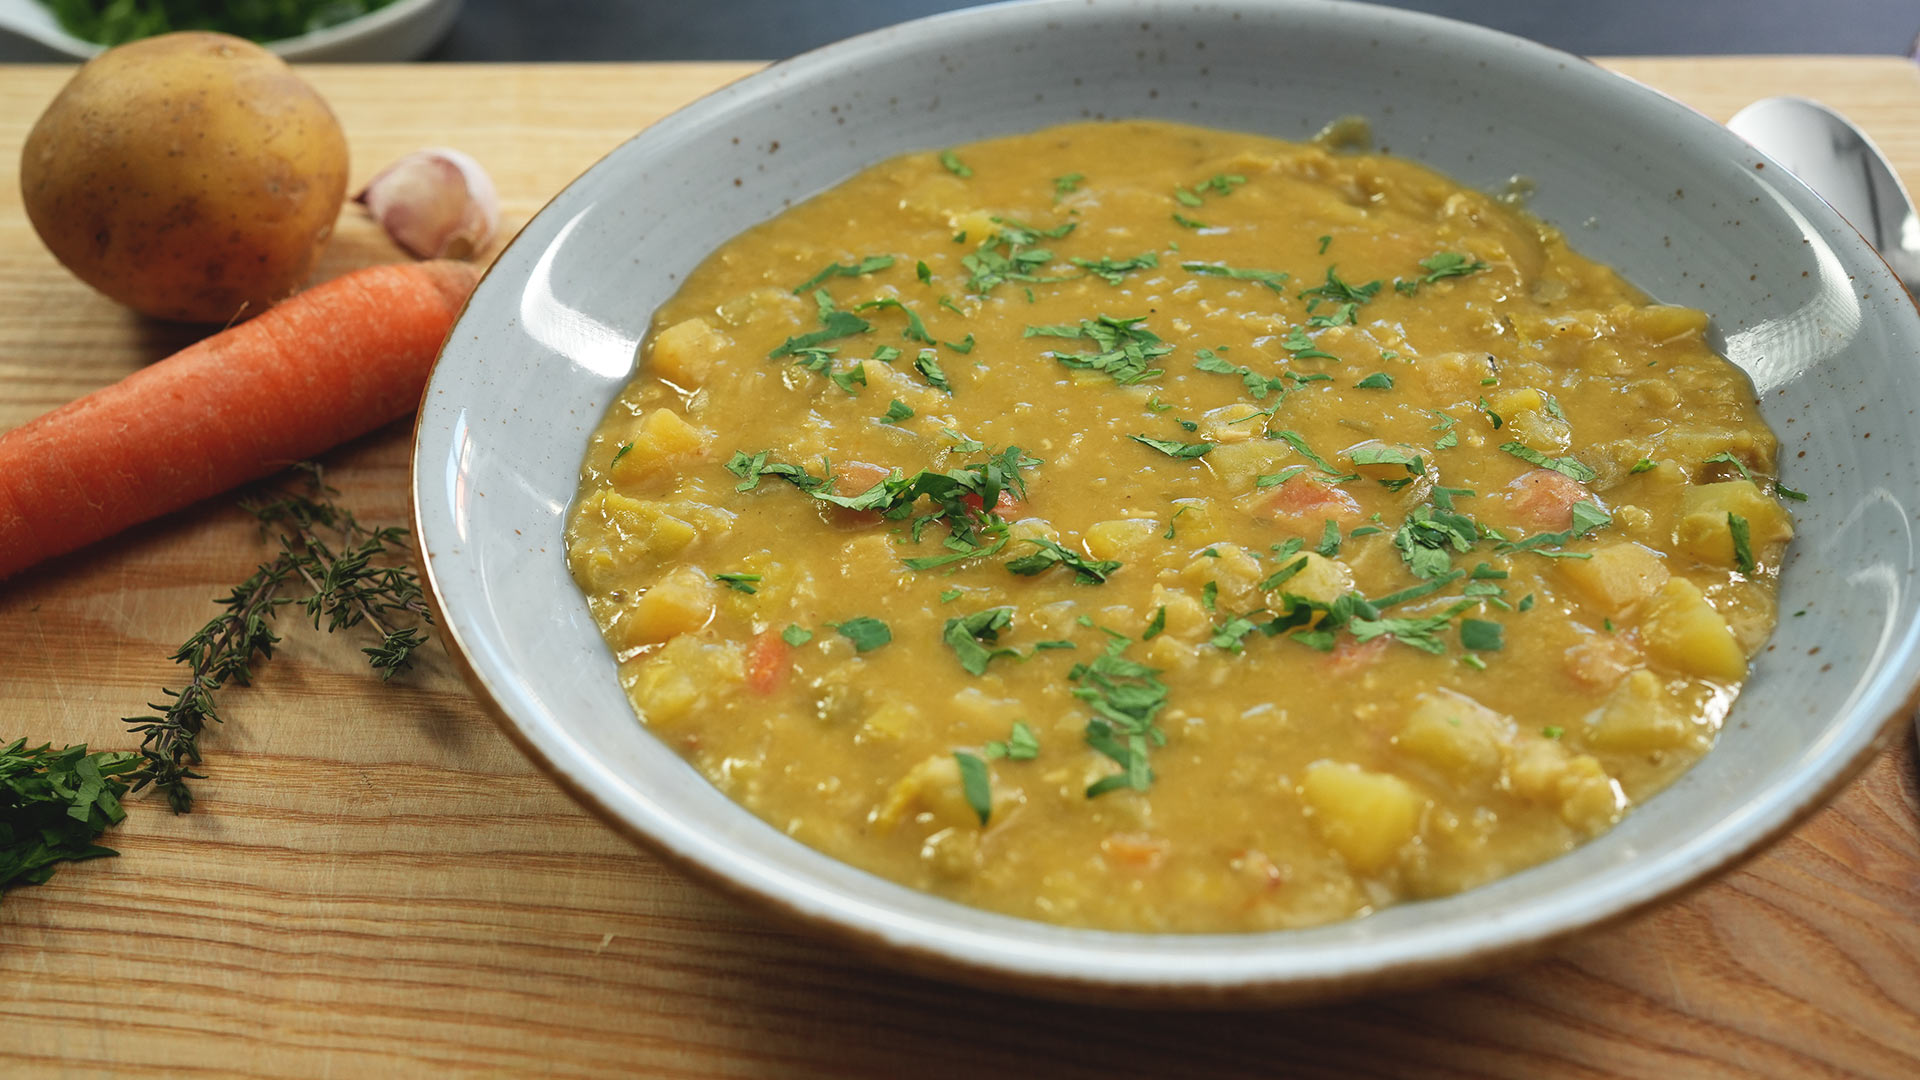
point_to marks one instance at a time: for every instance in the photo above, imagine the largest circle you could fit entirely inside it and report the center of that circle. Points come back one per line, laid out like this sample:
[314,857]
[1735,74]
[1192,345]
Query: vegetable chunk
[1684,632]
[1367,817]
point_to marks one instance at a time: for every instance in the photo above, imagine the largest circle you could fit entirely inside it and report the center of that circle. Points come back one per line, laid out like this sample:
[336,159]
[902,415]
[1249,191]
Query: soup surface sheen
[1145,527]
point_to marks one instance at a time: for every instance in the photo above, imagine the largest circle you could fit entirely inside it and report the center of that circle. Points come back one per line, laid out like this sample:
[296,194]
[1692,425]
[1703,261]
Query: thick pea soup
[1138,526]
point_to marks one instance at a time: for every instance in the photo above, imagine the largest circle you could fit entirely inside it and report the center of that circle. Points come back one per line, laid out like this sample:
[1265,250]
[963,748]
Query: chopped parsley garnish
[957,496]
[1324,241]
[1329,545]
[1644,465]
[1481,635]
[976,783]
[1126,697]
[1126,347]
[796,635]
[969,636]
[1343,315]
[923,272]
[1302,347]
[958,550]
[1339,291]
[1156,625]
[950,595]
[1189,223]
[1565,466]
[837,324]
[963,346]
[1220,183]
[962,444]
[928,365]
[1009,255]
[1168,535]
[1267,480]
[1272,279]
[1258,385]
[1284,574]
[739,582]
[1742,542]
[625,449]
[1174,449]
[897,411]
[1448,264]
[1786,492]
[1429,536]
[1492,417]
[952,163]
[1552,731]
[1050,554]
[1725,458]
[868,265]
[1068,184]
[751,468]
[1390,455]
[1299,443]
[1020,745]
[1587,517]
[1210,595]
[1114,271]
[1379,380]
[866,633]
[915,331]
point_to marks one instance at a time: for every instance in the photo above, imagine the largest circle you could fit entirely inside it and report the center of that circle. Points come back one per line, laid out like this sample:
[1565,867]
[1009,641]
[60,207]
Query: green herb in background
[113,22]
[53,805]
[340,572]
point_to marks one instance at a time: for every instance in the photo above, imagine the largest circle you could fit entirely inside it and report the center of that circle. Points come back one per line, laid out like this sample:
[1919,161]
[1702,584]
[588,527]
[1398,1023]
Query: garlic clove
[436,203]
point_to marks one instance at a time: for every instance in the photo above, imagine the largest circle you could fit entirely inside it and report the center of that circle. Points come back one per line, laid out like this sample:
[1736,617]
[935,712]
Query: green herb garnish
[1174,449]
[969,636]
[976,783]
[739,582]
[1272,279]
[1114,271]
[1565,466]
[1742,542]
[1050,554]
[54,804]
[868,265]
[866,633]
[1126,348]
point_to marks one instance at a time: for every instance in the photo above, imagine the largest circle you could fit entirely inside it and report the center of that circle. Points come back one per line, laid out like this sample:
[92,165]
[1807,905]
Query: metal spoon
[1842,165]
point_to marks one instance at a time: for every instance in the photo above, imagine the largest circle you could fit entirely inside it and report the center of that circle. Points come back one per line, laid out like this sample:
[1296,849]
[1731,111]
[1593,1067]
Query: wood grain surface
[377,884]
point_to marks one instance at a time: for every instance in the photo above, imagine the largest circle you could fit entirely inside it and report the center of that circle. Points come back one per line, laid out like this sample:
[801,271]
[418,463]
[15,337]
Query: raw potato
[191,176]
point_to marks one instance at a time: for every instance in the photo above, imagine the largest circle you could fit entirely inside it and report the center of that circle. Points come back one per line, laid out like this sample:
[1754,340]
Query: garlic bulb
[435,203]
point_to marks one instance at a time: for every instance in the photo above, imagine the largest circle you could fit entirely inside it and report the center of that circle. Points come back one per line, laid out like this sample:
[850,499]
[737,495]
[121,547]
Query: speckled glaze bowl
[1687,210]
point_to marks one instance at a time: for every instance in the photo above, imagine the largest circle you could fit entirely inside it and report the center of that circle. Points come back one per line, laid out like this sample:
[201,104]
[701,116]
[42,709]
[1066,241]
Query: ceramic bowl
[403,30]
[1684,208]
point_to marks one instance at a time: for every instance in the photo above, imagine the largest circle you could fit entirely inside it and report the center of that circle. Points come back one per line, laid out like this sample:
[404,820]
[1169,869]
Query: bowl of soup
[1144,503]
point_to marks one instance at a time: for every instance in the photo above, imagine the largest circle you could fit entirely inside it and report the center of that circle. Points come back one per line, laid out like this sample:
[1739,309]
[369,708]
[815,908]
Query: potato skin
[191,176]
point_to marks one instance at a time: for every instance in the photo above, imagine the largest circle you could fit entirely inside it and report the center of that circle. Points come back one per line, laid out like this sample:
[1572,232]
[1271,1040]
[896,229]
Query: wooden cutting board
[376,883]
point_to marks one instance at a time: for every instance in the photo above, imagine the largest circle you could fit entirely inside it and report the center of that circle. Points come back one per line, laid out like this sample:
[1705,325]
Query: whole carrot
[318,369]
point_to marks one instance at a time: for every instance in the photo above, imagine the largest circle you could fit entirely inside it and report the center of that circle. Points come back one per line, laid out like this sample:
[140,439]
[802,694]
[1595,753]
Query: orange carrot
[331,363]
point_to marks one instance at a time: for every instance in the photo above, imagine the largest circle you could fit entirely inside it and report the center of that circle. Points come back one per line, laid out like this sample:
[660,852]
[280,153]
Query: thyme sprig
[350,576]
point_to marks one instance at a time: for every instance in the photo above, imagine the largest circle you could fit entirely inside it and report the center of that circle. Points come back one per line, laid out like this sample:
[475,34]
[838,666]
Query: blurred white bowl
[403,30]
